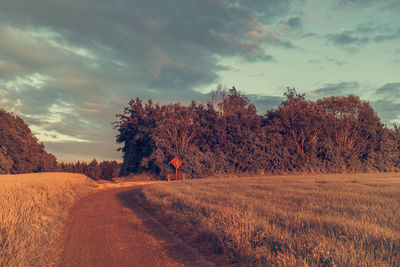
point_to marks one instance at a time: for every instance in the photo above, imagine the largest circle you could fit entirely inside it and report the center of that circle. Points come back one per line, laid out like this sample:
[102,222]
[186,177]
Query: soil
[107,228]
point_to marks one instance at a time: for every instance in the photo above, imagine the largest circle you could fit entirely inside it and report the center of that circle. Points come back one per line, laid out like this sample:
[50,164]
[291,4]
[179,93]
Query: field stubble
[33,208]
[323,220]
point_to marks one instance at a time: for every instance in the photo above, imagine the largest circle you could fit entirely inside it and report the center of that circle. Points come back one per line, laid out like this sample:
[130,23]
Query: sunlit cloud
[53,136]
[35,81]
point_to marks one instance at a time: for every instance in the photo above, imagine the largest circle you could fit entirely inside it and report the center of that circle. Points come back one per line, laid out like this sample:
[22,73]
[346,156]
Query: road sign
[177,162]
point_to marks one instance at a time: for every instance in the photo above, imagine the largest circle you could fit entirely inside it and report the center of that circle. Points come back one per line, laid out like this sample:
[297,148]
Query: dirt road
[107,228]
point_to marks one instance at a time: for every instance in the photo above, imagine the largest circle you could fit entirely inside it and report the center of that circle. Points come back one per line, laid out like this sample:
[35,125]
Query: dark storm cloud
[69,66]
[151,30]
[167,44]
[337,89]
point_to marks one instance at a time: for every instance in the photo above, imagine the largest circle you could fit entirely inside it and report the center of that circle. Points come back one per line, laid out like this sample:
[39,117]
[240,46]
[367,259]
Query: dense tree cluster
[105,170]
[227,135]
[20,151]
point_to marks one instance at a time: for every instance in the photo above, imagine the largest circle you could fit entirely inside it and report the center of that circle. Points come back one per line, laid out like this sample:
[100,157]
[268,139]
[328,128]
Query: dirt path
[107,228]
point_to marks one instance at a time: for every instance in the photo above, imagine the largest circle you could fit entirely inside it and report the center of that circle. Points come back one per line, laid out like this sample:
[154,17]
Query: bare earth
[107,228]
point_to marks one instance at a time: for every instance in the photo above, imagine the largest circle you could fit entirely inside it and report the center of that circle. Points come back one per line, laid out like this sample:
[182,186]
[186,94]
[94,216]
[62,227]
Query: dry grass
[123,182]
[315,220]
[32,210]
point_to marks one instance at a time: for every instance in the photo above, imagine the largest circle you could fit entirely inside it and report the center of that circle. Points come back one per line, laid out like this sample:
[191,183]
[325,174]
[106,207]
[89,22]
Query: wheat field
[33,208]
[314,220]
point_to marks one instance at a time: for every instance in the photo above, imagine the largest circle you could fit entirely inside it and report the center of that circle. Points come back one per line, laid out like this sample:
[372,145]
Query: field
[323,220]
[33,207]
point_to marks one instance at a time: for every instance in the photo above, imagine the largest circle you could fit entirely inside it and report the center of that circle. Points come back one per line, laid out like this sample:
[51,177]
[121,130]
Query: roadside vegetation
[228,136]
[315,220]
[33,208]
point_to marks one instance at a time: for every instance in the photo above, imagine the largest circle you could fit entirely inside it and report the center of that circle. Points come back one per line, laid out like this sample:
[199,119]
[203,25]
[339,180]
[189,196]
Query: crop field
[33,207]
[307,220]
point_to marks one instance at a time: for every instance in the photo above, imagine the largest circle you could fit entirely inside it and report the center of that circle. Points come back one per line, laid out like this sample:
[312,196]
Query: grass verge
[33,208]
[323,220]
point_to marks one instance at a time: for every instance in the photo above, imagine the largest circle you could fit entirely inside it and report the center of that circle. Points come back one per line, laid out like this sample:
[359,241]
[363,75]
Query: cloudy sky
[67,67]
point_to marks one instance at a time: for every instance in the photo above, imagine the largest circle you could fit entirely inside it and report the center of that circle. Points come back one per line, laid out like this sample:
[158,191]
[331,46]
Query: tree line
[225,136]
[228,136]
[105,170]
[20,152]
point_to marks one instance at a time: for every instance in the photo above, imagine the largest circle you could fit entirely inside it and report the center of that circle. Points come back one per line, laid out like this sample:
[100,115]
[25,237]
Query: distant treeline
[228,136]
[20,152]
[103,170]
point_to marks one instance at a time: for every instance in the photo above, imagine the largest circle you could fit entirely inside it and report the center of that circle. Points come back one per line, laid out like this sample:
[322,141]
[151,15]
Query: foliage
[227,136]
[105,170]
[20,151]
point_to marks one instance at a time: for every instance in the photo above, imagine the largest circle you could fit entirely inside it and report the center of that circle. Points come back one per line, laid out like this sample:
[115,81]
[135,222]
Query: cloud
[387,110]
[295,23]
[338,89]
[389,90]
[337,62]
[68,68]
[334,61]
[388,36]
[362,35]
[264,102]
[386,104]
[346,39]
[377,5]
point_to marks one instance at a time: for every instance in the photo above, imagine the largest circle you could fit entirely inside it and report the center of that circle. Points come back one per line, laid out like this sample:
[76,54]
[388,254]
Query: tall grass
[321,220]
[32,210]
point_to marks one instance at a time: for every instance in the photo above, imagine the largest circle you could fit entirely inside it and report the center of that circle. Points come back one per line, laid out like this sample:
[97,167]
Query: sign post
[177,162]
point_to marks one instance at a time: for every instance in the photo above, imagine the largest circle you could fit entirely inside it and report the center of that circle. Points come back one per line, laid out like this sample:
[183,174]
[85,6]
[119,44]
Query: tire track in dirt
[107,228]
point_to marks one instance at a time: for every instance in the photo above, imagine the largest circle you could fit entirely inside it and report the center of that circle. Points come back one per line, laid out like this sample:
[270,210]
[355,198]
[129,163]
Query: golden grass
[314,220]
[33,208]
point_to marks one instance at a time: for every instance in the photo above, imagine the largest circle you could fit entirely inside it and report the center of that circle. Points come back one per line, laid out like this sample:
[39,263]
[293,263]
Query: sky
[68,67]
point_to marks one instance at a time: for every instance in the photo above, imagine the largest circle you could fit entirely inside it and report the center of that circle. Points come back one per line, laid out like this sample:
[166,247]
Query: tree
[93,170]
[353,129]
[21,146]
[227,135]
[135,127]
[218,98]
[299,121]
[109,169]
[6,162]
